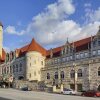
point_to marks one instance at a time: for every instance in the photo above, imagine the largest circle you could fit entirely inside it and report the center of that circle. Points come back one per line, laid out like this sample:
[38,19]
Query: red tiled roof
[3,55]
[79,45]
[33,46]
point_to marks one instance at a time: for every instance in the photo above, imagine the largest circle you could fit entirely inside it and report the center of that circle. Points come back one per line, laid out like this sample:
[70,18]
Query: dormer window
[94,43]
[99,42]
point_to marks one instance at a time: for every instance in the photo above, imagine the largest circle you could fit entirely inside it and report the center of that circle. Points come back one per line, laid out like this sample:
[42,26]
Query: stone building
[74,65]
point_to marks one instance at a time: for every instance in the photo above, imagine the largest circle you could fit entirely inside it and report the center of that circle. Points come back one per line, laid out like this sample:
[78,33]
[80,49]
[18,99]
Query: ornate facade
[74,65]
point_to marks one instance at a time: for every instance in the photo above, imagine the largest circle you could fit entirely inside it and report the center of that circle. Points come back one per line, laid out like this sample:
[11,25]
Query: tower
[1,38]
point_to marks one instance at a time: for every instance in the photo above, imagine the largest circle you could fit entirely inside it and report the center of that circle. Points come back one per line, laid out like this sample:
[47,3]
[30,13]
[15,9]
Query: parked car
[68,91]
[25,89]
[91,93]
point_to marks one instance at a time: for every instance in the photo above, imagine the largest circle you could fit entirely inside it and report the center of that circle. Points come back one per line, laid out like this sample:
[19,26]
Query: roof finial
[91,37]
[67,40]
[99,27]
[98,33]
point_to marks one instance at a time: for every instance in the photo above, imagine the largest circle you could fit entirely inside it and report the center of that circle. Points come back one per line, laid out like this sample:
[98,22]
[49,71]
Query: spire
[98,33]
[51,52]
[67,42]
[73,45]
[91,38]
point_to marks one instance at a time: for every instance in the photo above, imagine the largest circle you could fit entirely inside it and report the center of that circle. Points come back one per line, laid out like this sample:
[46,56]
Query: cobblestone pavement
[12,94]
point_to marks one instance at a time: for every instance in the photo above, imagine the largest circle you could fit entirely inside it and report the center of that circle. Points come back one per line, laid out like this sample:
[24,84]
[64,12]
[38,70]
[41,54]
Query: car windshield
[67,89]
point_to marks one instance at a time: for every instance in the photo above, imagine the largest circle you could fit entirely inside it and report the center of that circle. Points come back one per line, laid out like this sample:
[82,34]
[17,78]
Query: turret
[1,38]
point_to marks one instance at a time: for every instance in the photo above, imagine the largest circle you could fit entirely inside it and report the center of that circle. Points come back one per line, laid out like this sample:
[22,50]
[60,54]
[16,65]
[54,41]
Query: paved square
[31,95]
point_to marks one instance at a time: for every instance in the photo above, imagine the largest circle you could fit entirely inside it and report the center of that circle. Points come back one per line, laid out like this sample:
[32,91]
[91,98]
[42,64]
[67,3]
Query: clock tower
[1,38]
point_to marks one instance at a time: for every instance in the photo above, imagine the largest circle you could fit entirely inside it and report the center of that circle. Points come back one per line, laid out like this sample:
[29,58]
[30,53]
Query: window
[99,71]
[30,75]
[59,60]
[48,76]
[80,73]
[86,54]
[64,59]
[34,73]
[38,72]
[94,53]
[16,68]
[67,58]
[77,56]
[30,64]
[55,60]
[34,61]
[56,75]
[41,62]
[99,42]
[62,74]
[72,74]
[82,55]
[98,52]
[7,70]
[20,68]
[71,58]
[10,69]
[94,43]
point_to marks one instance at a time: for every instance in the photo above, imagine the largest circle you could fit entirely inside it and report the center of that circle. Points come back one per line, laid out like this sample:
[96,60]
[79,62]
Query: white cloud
[87,5]
[95,16]
[52,27]
[92,15]
[12,30]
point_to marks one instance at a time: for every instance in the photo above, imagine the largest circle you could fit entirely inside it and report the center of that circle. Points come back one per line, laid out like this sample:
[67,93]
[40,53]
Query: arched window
[80,73]
[20,68]
[16,67]
[99,71]
[72,74]
[48,76]
[56,75]
[62,74]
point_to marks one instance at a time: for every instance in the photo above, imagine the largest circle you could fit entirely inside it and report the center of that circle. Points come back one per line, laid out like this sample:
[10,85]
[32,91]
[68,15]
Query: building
[74,65]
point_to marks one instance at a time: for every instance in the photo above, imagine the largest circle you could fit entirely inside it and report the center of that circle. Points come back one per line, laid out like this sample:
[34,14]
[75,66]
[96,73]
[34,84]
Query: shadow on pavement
[4,98]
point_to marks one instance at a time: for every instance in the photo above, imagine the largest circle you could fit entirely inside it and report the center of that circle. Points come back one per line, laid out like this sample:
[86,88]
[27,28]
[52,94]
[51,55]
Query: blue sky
[50,22]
